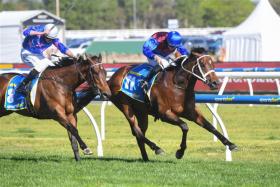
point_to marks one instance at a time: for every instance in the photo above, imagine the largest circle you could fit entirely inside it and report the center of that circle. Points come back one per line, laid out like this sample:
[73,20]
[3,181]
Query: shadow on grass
[128,160]
[53,158]
[35,159]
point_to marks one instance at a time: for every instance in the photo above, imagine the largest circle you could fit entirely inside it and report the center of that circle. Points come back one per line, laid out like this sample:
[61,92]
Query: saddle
[17,101]
[132,82]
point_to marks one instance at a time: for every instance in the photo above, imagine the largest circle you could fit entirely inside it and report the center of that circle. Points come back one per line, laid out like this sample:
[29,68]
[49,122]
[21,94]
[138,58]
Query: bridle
[89,71]
[203,75]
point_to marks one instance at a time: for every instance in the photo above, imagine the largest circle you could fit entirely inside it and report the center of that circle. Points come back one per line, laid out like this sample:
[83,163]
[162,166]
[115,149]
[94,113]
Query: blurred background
[118,28]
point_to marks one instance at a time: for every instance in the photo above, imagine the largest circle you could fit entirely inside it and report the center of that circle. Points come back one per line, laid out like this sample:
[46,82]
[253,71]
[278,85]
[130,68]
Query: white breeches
[39,62]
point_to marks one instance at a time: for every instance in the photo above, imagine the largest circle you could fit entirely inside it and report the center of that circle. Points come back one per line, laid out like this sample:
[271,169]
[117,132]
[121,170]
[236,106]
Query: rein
[204,75]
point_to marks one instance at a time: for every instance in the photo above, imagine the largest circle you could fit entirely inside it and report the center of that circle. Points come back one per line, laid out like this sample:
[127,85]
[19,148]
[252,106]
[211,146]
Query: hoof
[146,159]
[159,152]
[179,154]
[77,158]
[233,147]
[87,151]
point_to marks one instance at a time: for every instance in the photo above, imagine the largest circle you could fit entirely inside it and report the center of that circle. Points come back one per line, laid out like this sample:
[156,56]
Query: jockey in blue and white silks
[37,44]
[160,48]
[37,39]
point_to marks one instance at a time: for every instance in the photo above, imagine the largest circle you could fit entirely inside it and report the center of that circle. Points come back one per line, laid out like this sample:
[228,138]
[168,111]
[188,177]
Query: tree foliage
[225,13]
[119,14]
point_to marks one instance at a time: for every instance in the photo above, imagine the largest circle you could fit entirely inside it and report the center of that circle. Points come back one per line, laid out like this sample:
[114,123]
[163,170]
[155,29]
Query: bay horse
[55,97]
[171,97]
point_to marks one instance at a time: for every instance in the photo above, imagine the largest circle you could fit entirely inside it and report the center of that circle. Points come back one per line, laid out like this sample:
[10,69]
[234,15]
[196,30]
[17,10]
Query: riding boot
[144,83]
[22,87]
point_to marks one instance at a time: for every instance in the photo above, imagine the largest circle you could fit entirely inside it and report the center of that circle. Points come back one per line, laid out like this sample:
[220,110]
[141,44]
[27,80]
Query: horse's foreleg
[153,146]
[70,123]
[173,119]
[74,142]
[201,120]
[74,145]
[82,144]
[72,127]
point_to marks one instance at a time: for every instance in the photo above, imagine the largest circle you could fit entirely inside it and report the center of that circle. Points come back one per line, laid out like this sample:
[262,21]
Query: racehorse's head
[97,74]
[202,67]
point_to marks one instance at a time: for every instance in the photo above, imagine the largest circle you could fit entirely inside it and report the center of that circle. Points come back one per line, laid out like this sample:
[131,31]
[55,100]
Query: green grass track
[38,152]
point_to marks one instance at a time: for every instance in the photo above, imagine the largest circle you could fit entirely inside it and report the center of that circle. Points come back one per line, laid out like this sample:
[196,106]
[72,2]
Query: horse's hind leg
[4,113]
[201,120]
[122,104]
[136,131]
[143,124]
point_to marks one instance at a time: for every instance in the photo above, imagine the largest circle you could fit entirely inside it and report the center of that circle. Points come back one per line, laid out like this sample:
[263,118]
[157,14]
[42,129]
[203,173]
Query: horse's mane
[192,57]
[68,61]
[63,62]
[194,51]
[199,50]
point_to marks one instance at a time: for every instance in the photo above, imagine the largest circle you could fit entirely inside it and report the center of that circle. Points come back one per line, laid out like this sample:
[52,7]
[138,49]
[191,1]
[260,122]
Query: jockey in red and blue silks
[159,49]
[37,39]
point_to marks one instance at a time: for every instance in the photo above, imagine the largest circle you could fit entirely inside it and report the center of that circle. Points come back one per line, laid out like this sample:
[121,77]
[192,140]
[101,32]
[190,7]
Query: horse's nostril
[213,85]
[216,82]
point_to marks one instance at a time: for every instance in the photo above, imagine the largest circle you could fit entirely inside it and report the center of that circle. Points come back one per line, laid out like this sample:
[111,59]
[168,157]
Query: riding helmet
[53,31]
[174,39]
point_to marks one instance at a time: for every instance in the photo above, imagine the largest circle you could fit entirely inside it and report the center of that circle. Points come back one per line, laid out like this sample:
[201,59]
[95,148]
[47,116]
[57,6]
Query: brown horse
[171,97]
[55,98]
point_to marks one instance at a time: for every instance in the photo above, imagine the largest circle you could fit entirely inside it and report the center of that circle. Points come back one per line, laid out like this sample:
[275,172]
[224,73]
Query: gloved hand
[57,63]
[164,63]
[171,62]
[55,59]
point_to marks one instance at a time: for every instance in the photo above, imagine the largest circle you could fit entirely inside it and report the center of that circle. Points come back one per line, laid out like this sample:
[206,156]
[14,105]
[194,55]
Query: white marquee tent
[257,38]
[12,24]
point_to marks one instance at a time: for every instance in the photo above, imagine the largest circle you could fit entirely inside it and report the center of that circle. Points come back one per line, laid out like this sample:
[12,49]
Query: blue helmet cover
[174,39]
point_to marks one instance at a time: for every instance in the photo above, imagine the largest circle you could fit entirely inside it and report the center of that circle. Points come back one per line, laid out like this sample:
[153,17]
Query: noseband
[203,75]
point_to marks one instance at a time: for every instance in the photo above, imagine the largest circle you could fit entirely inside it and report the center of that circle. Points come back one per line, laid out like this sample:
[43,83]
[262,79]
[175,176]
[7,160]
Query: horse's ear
[100,57]
[78,57]
[84,56]
[198,51]
[196,54]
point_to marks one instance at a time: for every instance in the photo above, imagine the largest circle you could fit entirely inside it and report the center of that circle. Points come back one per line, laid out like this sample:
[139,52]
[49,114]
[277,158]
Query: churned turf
[38,153]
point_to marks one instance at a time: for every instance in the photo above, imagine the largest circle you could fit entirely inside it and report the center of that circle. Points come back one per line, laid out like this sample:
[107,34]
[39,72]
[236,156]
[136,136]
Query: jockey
[38,38]
[159,50]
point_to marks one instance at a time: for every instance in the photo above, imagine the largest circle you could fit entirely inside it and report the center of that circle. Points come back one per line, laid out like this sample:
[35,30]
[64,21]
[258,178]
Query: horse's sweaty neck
[71,76]
[183,79]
